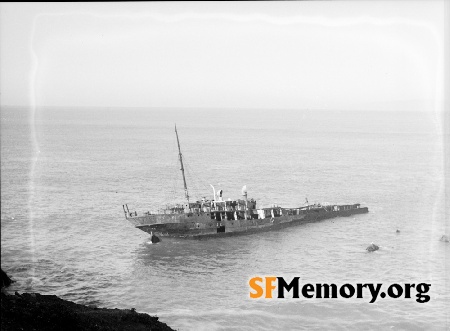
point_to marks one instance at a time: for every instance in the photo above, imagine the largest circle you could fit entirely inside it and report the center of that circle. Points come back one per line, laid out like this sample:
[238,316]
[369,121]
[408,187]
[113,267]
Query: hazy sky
[320,55]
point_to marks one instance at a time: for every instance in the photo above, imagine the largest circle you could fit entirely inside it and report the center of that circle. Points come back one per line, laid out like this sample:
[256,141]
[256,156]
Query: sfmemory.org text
[263,287]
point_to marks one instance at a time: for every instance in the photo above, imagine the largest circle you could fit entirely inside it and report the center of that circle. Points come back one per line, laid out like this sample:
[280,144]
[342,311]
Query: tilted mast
[182,168]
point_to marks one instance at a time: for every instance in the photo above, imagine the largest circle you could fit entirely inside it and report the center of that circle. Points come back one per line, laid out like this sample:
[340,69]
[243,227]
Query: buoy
[372,248]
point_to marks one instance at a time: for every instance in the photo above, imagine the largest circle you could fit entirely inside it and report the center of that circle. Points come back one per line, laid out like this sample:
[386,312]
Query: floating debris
[372,248]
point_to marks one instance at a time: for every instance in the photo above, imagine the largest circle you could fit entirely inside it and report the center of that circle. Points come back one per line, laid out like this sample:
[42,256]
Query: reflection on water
[178,258]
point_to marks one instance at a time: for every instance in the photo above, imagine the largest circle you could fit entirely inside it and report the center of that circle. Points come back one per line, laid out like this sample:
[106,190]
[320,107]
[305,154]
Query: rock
[154,239]
[445,239]
[48,312]
[6,281]
[33,311]
[372,248]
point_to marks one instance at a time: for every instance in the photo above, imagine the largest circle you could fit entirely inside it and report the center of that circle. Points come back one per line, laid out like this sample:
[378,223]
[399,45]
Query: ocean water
[65,174]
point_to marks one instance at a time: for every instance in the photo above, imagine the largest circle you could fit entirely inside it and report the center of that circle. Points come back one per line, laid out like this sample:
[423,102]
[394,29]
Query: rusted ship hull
[201,226]
[221,218]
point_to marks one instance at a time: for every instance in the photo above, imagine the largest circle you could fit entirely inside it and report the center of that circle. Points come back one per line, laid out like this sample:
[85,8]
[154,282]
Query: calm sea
[65,174]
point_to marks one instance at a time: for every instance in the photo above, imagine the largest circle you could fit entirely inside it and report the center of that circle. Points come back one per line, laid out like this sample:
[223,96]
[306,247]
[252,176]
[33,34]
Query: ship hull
[199,226]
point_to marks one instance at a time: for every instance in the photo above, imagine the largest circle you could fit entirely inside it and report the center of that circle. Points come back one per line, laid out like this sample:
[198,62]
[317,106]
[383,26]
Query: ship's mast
[182,168]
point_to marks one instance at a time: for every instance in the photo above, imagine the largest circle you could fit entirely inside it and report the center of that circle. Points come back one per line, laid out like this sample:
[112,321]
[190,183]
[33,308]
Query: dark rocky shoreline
[33,311]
